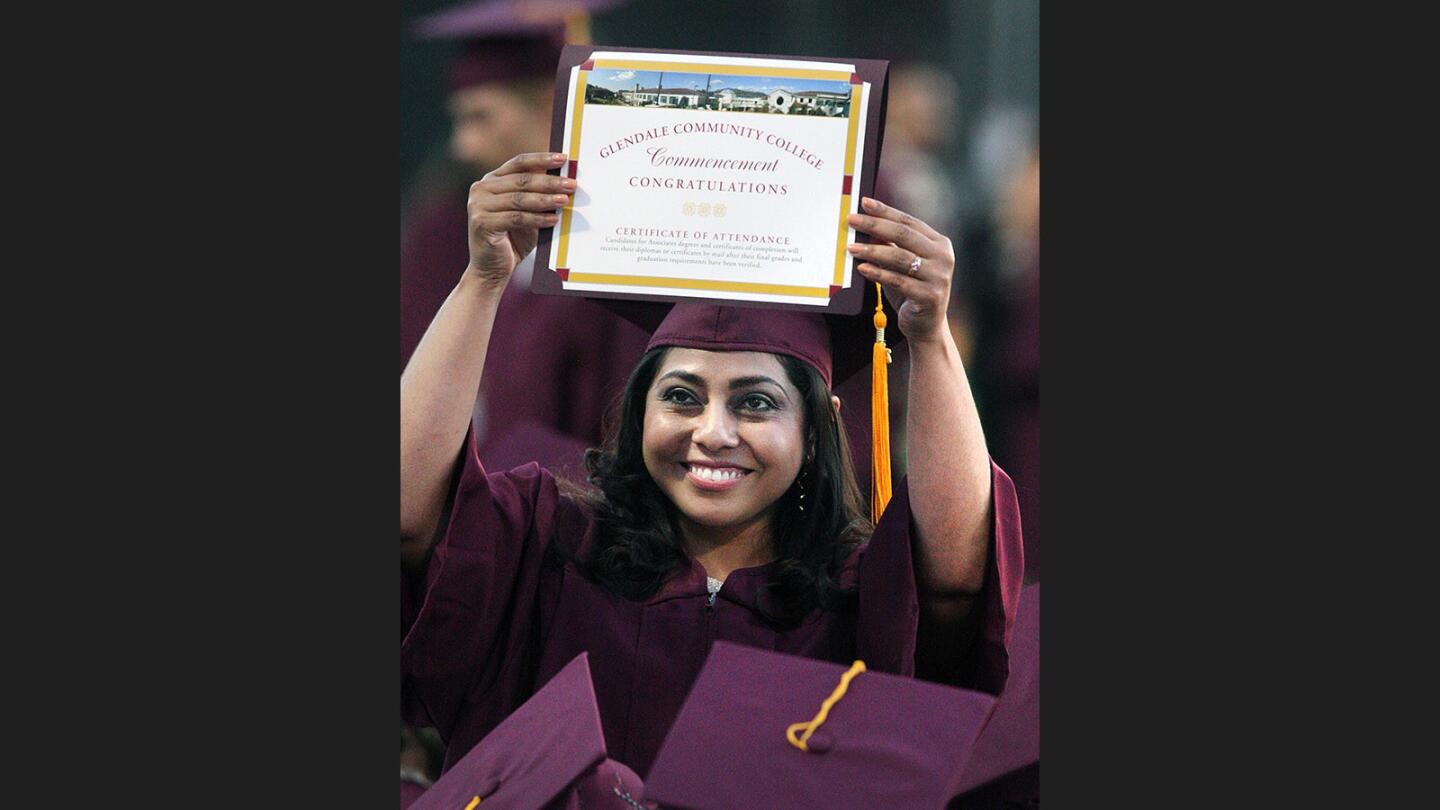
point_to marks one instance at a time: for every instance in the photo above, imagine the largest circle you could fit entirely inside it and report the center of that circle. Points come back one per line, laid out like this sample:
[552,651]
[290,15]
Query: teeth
[712,474]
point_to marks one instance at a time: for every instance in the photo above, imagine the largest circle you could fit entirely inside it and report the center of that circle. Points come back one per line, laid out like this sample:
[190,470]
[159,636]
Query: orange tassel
[879,416]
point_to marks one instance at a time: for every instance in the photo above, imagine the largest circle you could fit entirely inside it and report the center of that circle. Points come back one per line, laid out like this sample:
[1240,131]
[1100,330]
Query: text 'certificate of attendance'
[705,176]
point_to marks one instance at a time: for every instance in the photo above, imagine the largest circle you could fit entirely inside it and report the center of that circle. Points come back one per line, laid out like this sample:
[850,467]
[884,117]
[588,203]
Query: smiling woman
[741,463]
[728,463]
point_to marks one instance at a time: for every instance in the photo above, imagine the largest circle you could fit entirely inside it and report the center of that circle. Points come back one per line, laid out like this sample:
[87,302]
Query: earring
[800,483]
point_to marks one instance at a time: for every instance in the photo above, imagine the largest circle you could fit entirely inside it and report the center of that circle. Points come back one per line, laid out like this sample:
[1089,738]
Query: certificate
[712,176]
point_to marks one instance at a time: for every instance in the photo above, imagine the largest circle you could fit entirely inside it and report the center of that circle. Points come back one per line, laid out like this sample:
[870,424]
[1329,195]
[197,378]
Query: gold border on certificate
[577,110]
[857,95]
[730,70]
[701,284]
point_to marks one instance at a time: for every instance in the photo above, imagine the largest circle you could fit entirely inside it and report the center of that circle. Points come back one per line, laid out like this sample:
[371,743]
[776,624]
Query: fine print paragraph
[735,251]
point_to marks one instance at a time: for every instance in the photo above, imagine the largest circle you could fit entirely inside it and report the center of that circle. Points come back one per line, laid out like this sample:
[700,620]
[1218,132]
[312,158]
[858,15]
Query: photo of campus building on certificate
[719,92]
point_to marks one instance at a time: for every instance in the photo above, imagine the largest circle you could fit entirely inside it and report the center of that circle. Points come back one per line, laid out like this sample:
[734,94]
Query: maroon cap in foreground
[534,755]
[887,741]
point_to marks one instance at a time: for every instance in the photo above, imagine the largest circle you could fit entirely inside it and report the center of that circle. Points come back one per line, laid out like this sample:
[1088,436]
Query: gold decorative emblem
[704,209]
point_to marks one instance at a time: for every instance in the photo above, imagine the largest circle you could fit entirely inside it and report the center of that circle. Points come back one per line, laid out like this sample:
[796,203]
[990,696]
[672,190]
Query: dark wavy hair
[638,540]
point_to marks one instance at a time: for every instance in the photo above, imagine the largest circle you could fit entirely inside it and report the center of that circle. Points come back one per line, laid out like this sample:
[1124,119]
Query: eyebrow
[739,382]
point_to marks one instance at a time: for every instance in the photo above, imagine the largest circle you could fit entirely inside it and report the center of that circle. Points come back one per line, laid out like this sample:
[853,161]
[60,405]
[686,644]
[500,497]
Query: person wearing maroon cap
[499,103]
[723,506]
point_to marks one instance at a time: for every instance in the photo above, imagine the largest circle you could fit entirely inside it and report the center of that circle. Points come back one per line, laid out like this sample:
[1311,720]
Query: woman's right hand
[508,207]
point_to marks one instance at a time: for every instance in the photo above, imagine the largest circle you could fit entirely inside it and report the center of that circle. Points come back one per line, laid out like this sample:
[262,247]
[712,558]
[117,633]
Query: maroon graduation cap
[803,335]
[508,40]
[493,17]
[763,729]
[550,752]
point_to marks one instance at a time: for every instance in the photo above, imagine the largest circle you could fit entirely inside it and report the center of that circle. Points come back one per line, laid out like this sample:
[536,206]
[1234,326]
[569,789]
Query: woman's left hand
[920,292]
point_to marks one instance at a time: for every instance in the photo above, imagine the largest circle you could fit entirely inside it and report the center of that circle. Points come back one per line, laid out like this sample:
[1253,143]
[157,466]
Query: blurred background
[960,151]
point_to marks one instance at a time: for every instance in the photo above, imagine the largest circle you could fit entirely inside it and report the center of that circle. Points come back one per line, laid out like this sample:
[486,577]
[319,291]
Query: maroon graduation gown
[500,616]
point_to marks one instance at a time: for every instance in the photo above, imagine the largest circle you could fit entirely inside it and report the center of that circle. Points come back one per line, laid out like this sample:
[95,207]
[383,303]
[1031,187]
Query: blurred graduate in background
[556,363]
[573,356]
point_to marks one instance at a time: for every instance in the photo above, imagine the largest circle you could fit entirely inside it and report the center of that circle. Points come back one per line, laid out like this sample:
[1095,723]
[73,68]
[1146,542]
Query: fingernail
[561,199]
[853,248]
[869,203]
[568,184]
[557,156]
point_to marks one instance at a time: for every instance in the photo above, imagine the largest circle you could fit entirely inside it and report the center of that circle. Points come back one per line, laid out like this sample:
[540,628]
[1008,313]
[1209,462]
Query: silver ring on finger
[915,267]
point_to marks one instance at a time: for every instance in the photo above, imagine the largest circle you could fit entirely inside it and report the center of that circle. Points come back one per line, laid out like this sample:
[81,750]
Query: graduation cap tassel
[809,726]
[879,415]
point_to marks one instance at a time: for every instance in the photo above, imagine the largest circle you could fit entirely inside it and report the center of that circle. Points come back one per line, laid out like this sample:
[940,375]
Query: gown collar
[741,587]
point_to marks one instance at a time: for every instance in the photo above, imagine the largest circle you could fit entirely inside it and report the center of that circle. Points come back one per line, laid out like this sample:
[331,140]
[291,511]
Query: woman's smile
[711,477]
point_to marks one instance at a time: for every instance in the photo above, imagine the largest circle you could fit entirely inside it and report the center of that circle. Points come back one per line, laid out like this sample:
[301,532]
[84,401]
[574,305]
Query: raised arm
[439,385]
[947,462]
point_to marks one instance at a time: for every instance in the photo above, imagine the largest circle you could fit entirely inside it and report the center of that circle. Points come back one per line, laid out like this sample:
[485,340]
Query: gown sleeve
[469,638]
[890,635]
